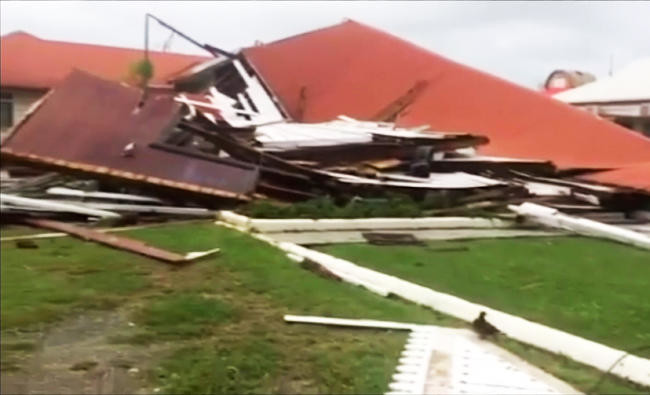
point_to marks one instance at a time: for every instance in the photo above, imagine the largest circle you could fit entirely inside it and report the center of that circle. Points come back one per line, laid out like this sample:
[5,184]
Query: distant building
[30,66]
[561,80]
[623,97]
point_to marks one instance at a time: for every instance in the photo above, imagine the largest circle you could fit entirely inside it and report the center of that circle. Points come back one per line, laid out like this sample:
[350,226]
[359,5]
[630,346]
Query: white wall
[22,99]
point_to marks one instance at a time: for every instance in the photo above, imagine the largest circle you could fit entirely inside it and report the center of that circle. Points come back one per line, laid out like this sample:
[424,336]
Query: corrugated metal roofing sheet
[357,70]
[30,62]
[634,176]
[87,122]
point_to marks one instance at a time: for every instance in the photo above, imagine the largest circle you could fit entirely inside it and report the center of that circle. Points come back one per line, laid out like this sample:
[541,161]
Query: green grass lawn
[592,288]
[19,230]
[223,314]
[65,275]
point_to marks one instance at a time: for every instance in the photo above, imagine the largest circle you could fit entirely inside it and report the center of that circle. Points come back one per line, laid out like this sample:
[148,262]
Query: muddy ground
[77,356]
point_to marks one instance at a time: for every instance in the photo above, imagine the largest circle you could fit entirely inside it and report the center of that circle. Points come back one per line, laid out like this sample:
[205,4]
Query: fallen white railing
[585,351]
[440,360]
[369,224]
[551,217]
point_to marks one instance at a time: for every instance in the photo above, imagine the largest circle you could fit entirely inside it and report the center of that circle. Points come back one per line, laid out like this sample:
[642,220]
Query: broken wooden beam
[392,110]
[119,242]
[383,238]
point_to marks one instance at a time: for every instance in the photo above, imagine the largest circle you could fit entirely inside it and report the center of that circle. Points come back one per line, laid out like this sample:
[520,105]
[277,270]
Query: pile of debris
[218,137]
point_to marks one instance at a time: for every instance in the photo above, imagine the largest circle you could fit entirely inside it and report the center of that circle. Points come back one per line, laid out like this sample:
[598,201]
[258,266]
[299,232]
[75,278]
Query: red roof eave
[33,63]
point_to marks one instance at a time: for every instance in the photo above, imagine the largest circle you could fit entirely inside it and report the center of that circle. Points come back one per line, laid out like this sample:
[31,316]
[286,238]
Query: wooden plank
[119,242]
[392,110]
[383,238]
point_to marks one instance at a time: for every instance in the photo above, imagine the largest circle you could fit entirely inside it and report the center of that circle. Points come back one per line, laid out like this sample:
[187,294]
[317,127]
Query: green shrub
[391,205]
[141,72]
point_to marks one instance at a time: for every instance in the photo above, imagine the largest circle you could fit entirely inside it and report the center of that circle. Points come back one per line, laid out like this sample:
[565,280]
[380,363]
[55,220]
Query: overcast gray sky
[518,41]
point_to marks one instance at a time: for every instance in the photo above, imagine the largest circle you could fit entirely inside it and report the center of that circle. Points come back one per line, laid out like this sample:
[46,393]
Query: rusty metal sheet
[166,187]
[87,122]
[119,242]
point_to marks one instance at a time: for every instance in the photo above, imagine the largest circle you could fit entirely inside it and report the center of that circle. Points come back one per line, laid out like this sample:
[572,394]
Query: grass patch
[580,376]
[263,285]
[223,314]
[232,303]
[316,360]
[19,230]
[249,266]
[62,276]
[591,288]
[180,315]
[220,369]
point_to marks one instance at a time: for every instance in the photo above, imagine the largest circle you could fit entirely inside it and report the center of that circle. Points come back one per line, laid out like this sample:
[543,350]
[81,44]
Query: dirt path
[76,357]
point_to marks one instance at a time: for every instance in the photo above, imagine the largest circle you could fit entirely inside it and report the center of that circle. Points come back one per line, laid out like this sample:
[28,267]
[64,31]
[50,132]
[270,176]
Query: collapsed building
[346,111]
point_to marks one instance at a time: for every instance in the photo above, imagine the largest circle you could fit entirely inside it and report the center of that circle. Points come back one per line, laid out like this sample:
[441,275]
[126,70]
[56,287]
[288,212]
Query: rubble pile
[217,137]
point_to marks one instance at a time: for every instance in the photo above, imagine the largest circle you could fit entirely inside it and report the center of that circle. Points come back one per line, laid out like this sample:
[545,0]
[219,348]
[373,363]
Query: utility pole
[216,52]
[145,87]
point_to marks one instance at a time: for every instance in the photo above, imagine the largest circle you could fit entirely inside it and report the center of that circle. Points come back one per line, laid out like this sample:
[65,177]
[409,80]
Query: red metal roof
[30,62]
[634,176]
[357,70]
[86,122]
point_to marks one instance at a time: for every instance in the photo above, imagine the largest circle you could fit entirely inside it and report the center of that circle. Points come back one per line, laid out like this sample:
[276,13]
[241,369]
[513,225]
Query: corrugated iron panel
[357,70]
[87,122]
[634,176]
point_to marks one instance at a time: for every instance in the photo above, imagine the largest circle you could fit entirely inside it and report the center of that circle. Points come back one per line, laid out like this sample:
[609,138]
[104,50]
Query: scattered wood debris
[379,238]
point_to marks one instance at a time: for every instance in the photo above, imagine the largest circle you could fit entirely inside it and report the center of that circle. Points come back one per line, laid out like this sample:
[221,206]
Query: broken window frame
[6,110]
